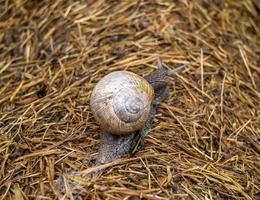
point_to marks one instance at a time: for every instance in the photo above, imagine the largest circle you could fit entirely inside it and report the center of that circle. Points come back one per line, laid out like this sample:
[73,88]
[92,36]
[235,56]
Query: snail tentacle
[178,69]
[159,62]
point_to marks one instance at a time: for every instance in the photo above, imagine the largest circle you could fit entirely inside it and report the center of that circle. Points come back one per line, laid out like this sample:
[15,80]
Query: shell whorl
[121,101]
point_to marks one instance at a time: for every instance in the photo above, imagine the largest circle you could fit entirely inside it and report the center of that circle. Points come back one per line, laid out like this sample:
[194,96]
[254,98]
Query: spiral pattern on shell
[121,102]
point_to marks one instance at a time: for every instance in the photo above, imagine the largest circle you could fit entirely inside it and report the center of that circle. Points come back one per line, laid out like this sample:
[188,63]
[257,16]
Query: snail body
[121,102]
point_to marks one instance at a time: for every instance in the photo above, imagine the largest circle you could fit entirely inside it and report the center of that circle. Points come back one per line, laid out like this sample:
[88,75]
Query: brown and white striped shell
[121,102]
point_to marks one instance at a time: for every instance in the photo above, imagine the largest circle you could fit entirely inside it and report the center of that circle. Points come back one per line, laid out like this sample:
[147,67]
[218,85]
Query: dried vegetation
[204,143]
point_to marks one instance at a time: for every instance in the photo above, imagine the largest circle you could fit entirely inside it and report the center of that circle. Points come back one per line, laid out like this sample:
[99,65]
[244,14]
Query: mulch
[204,142]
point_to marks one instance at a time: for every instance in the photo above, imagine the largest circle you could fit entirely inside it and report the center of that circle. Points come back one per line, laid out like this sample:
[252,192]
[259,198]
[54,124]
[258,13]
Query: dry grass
[204,143]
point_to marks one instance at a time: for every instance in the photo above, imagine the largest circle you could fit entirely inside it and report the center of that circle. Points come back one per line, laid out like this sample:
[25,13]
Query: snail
[124,104]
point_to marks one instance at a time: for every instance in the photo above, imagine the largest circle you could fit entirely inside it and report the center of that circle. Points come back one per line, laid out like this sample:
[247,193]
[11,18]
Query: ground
[204,142]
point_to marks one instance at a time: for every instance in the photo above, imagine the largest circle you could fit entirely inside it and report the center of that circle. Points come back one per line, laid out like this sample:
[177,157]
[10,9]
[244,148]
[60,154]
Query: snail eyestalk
[178,69]
[159,62]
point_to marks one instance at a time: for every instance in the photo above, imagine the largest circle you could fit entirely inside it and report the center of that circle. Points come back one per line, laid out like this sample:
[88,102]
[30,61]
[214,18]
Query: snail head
[161,77]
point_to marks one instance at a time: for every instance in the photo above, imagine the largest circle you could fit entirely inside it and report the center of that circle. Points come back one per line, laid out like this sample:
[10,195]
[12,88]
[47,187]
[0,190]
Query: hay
[204,143]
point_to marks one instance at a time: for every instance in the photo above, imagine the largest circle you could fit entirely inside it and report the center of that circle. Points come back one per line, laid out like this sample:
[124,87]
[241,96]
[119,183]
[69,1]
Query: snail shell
[121,102]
